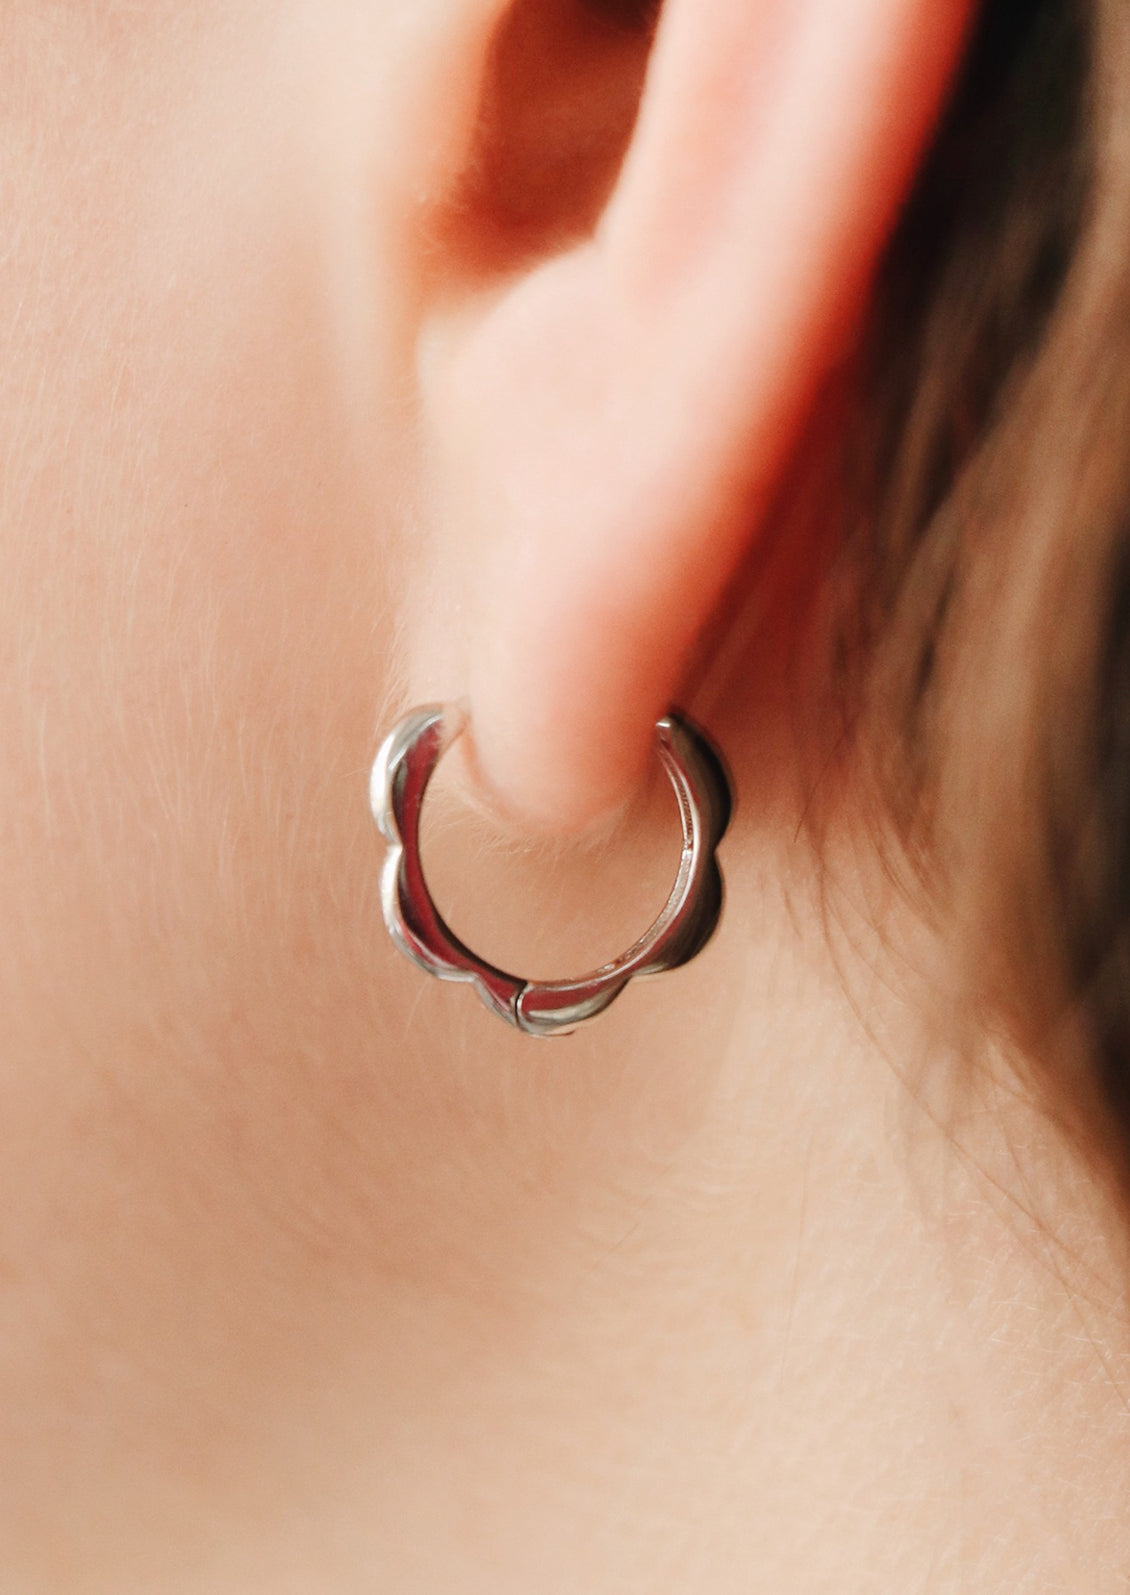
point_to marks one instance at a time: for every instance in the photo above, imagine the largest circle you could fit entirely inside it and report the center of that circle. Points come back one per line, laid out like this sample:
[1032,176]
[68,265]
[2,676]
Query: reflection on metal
[400,777]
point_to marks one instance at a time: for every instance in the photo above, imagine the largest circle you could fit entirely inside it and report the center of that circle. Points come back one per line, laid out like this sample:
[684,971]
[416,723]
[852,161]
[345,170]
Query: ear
[651,246]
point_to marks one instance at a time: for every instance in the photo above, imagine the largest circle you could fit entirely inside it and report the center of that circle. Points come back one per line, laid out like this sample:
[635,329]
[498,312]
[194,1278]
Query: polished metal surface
[401,772]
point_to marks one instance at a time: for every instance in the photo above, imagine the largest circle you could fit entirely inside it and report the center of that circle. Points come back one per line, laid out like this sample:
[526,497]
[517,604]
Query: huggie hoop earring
[401,772]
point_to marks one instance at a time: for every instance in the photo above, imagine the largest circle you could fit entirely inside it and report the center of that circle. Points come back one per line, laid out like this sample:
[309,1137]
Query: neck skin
[729,1292]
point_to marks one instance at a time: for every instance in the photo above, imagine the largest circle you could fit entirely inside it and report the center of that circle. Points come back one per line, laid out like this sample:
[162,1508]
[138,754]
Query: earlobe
[619,384]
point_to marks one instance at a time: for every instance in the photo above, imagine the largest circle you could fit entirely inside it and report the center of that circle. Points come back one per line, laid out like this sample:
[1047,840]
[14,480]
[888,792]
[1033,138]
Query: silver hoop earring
[401,772]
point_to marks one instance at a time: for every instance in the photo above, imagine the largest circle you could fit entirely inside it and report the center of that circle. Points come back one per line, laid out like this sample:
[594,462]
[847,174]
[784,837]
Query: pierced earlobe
[401,772]
[650,253]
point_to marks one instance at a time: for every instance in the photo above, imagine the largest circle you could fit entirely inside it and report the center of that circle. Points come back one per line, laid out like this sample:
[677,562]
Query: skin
[314,1277]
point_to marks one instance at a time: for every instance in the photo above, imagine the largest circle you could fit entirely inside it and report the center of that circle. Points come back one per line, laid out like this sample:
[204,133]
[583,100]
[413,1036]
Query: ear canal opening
[561,94]
[638,14]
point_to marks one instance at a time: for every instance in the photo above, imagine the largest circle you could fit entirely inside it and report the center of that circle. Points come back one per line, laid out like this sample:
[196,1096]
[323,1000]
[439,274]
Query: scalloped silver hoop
[401,772]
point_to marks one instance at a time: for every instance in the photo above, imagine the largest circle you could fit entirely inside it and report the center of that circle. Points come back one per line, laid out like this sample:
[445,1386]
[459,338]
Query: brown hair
[989,547]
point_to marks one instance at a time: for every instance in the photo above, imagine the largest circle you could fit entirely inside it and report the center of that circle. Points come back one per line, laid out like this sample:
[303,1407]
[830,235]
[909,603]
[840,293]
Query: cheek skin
[191,574]
[192,622]
[234,1146]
